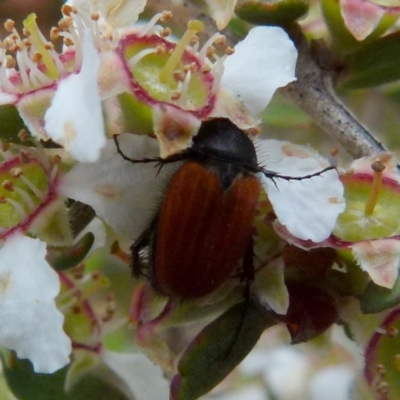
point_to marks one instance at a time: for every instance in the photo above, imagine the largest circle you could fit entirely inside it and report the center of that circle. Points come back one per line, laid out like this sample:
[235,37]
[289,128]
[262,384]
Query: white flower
[74,118]
[308,208]
[264,61]
[31,324]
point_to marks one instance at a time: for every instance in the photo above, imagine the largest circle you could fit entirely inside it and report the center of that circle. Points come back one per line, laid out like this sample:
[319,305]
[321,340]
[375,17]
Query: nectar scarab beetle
[202,233]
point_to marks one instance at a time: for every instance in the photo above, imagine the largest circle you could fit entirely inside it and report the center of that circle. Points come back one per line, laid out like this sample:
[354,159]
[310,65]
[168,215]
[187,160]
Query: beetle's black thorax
[225,149]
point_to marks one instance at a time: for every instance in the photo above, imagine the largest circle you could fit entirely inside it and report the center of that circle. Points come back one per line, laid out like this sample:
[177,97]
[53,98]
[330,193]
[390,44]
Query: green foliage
[69,257]
[374,64]
[218,349]
[28,385]
[11,124]
[377,298]
[271,12]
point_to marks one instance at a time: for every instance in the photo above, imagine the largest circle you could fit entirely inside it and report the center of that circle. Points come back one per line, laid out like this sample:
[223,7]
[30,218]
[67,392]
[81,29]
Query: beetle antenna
[275,175]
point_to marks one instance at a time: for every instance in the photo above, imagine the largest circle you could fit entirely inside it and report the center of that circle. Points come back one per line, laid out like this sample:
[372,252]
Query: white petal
[270,287]
[380,258]
[264,61]
[75,118]
[119,13]
[221,11]
[144,379]
[124,195]
[31,324]
[308,208]
[7,98]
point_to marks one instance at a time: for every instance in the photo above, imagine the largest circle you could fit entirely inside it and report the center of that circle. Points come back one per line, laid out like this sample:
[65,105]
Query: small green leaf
[100,383]
[377,298]
[374,64]
[27,385]
[218,349]
[271,12]
[69,257]
[11,124]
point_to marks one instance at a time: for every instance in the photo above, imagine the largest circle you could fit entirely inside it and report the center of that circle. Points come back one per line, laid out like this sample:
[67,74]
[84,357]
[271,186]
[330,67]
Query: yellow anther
[31,26]
[378,168]
[9,25]
[10,62]
[169,68]
[16,172]
[54,33]
[7,185]
[220,40]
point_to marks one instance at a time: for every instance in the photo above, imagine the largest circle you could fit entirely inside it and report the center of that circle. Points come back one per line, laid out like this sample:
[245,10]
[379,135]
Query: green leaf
[11,124]
[218,349]
[374,64]
[27,385]
[271,12]
[377,298]
[69,257]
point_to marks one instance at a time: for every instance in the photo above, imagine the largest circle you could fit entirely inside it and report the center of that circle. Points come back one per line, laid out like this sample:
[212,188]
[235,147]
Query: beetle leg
[140,243]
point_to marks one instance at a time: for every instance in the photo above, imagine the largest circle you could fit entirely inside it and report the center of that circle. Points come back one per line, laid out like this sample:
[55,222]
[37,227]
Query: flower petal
[221,11]
[75,118]
[380,258]
[119,13]
[31,324]
[308,208]
[124,195]
[270,287]
[144,379]
[264,61]
[361,17]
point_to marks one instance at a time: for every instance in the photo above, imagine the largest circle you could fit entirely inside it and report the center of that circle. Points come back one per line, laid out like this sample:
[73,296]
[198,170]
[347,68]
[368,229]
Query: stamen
[8,185]
[54,33]
[184,88]
[30,24]
[9,25]
[378,168]
[150,25]
[194,27]
[53,173]
[165,32]
[203,51]
[18,208]
[28,200]
[143,53]
[38,193]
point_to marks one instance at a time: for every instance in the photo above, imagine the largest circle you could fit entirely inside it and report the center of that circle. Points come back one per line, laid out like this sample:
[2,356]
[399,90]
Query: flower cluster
[120,86]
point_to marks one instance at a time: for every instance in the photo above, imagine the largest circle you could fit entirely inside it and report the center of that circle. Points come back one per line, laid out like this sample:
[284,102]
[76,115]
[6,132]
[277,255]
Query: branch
[313,93]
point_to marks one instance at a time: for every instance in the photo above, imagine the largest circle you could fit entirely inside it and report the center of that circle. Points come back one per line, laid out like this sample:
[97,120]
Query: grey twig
[313,93]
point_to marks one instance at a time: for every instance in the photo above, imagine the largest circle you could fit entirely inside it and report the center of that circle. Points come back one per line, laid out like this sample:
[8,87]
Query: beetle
[203,230]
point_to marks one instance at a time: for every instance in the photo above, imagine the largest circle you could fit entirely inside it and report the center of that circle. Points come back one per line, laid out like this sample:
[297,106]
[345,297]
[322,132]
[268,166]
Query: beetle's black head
[221,139]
